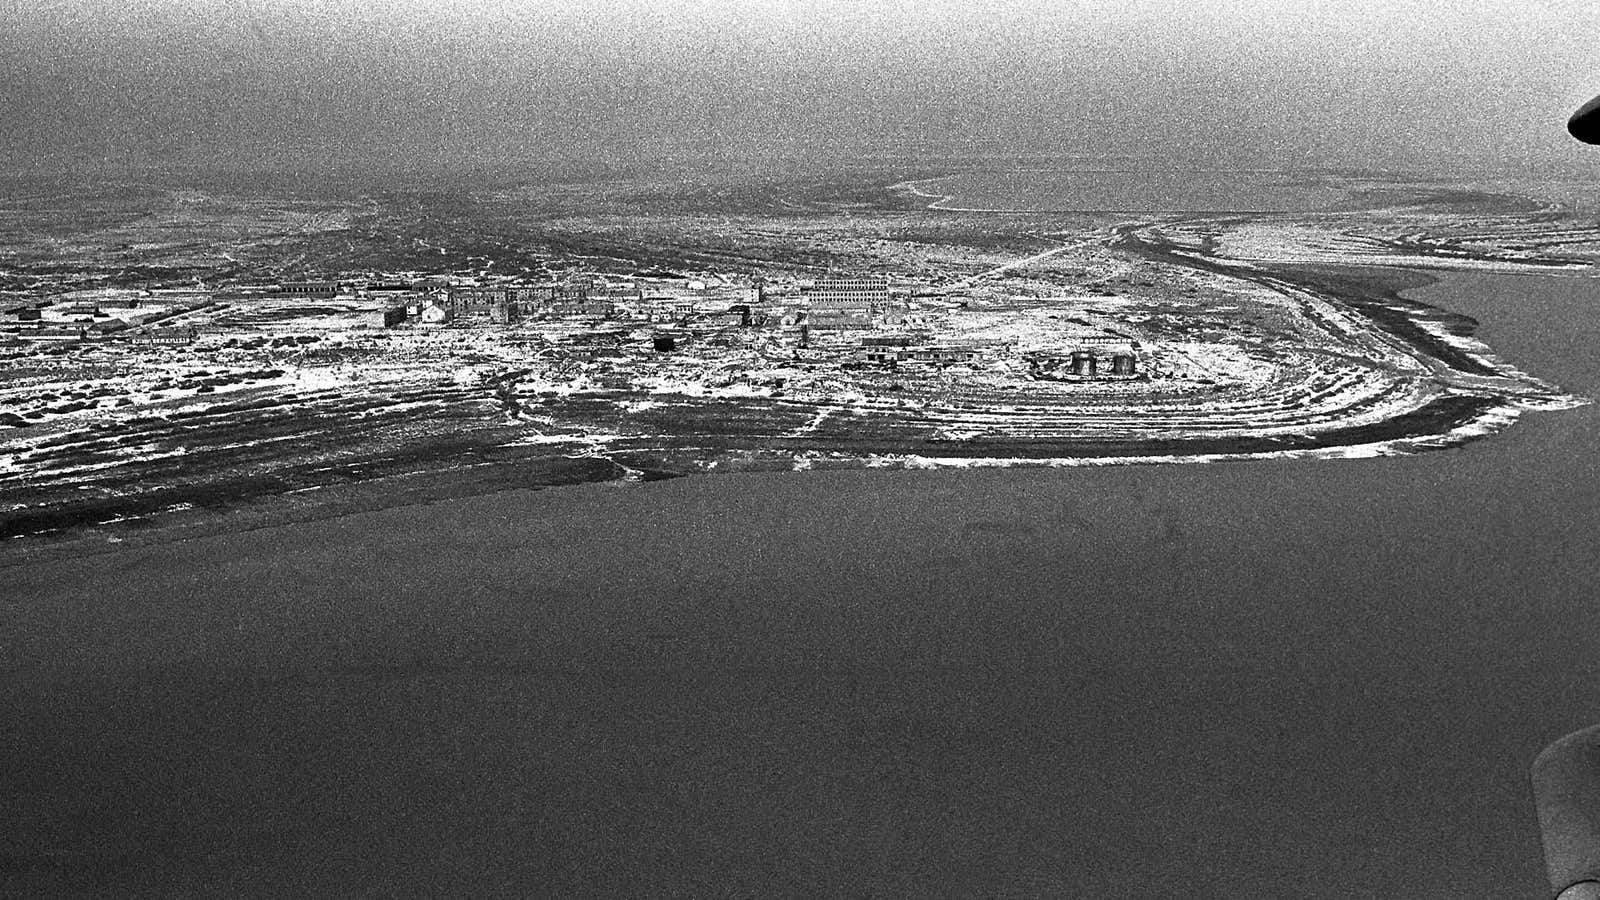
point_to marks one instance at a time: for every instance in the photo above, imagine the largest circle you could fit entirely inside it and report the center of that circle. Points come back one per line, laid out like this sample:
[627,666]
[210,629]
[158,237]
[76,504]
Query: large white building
[845,302]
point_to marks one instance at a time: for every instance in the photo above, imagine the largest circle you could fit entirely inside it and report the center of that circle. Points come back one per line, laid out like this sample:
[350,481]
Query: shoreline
[484,461]
[1289,626]
[1447,422]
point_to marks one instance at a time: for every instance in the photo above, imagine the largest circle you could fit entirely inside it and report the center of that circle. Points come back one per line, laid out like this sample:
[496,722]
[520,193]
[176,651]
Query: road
[1018,263]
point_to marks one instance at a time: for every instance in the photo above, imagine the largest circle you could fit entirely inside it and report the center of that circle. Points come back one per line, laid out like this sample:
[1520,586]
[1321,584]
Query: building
[505,312]
[599,308]
[56,333]
[322,290]
[1094,358]
[175,335]
[475,302]
[531,299]
[242,295]
[505,303]
[845,303]
[389,288]
[666,308]
[620,293]
[896,350]
[434,315]
[884,351]
[198,296]
[851,293]
[581,286]
[737,315]
[387,317]
[946,356]
[83,311]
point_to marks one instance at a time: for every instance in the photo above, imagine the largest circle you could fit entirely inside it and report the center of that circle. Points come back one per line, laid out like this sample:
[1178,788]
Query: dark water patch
[1283,679]
[997,528]
[1378,298]
[1542,324]
[1362,291]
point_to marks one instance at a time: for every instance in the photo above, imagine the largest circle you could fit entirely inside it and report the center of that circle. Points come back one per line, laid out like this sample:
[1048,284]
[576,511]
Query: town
[152,370]
[624,330]
[868,319]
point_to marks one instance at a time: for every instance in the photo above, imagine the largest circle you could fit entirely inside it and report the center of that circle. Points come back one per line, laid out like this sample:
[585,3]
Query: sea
[1271,679]
[1098,186]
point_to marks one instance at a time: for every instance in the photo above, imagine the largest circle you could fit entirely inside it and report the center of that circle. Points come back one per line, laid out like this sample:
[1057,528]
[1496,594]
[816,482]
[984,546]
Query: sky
[285,84]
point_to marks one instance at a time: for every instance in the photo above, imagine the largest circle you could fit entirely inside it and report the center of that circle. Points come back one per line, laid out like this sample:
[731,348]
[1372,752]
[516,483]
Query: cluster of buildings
[1088,357]
[1077,358]
[894,350]
[853,304]
[866,319]
[896,335]
[92,315]
[829,304]
[649,298]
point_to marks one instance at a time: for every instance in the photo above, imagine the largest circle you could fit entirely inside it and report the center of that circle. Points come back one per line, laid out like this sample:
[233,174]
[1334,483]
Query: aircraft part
[1566,789]
[1585,123]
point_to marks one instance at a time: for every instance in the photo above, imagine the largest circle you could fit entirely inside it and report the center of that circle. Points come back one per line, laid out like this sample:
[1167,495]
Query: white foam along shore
[1489,422]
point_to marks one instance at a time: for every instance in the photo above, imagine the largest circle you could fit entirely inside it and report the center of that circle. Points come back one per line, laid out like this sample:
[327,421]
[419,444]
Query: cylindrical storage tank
[1122,364]
[1083,364]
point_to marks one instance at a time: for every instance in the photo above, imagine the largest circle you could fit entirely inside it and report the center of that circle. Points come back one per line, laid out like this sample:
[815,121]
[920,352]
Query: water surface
[1134,189]
[1311,679]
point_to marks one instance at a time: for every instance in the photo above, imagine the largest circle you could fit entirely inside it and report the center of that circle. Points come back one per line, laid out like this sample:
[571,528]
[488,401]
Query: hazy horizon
[95,86]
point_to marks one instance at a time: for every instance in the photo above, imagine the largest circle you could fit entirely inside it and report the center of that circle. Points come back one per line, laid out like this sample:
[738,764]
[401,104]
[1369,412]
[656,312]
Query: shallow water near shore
[1263,679]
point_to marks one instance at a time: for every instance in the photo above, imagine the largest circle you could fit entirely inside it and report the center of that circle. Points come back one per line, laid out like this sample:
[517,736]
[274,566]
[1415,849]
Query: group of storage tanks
[1086,363]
